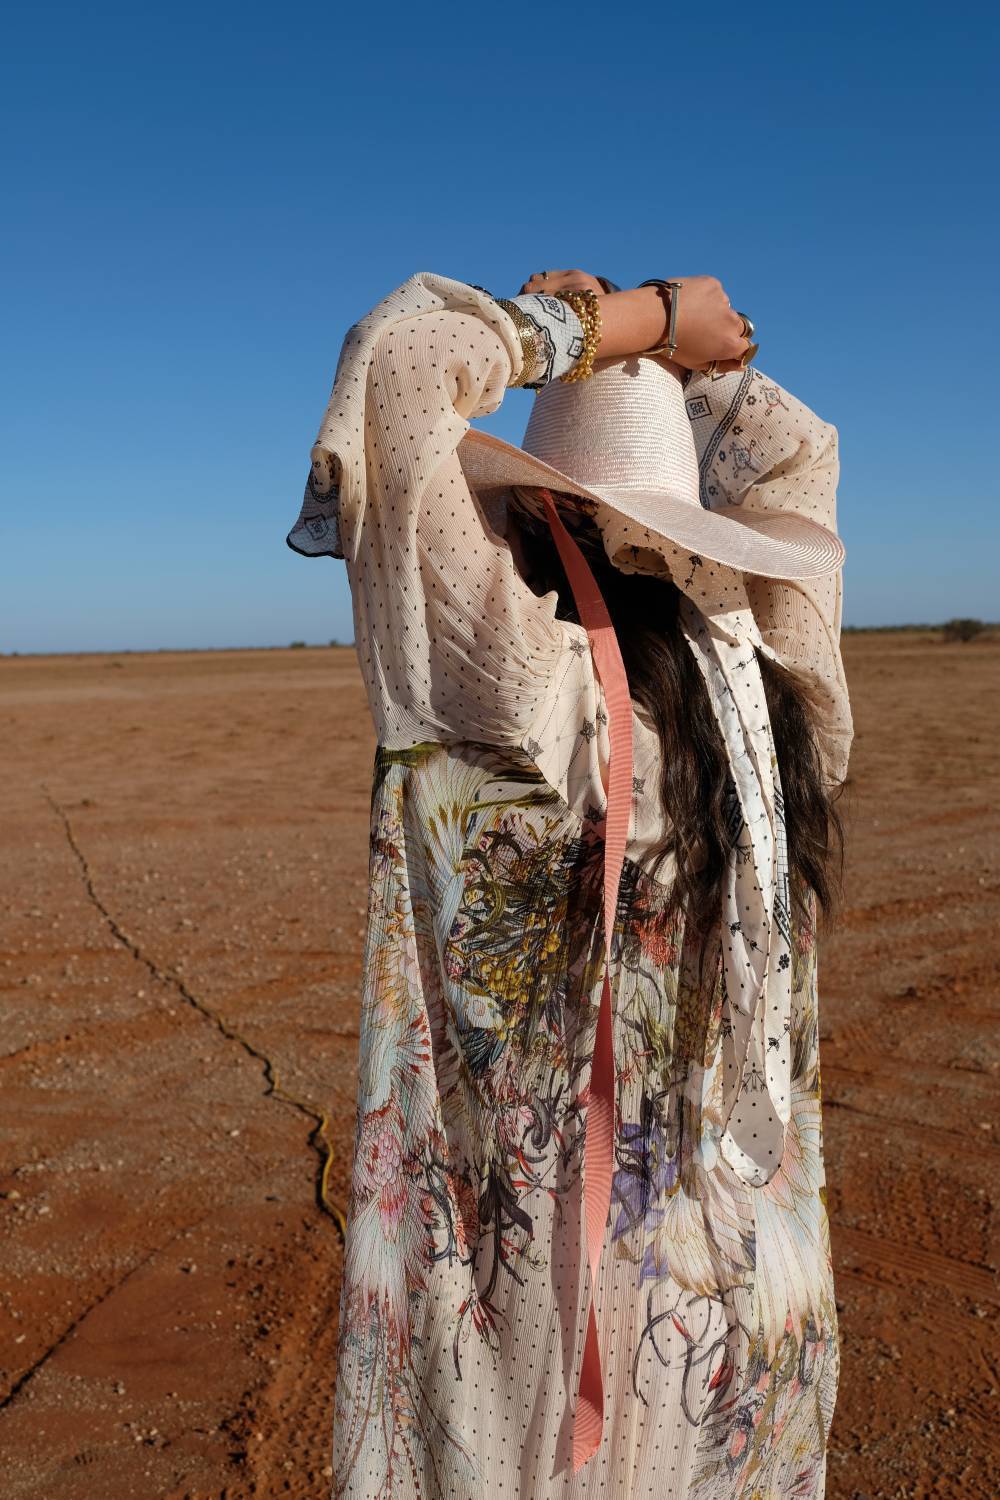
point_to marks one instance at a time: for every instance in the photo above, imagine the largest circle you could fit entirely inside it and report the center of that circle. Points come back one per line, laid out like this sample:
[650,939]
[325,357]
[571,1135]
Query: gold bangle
[587,306]
[527,333]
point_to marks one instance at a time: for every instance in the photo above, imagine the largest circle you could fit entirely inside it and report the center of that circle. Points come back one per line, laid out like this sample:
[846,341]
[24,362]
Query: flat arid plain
[184,893]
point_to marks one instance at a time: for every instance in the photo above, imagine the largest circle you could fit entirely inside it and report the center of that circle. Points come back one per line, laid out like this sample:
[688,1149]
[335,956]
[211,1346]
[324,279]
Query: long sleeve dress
[463,1301]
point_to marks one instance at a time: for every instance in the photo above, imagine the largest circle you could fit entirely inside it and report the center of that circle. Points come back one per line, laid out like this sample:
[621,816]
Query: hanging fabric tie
[599,1138]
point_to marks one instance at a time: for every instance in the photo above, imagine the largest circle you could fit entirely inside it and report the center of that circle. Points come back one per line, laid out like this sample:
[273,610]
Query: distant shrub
[334,643]
[962,630]
[297,646]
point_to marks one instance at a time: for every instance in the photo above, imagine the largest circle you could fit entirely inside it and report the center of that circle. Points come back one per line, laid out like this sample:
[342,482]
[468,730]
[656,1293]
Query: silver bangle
[669,344]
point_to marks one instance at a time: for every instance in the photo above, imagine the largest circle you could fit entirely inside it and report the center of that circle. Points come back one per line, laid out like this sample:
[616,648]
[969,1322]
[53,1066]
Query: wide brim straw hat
[622,443]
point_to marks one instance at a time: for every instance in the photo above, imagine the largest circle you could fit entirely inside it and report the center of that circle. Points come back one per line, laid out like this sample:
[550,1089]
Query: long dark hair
[665,680]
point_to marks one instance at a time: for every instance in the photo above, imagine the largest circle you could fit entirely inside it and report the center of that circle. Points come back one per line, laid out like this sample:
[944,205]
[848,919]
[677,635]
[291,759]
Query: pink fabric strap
[599,1154]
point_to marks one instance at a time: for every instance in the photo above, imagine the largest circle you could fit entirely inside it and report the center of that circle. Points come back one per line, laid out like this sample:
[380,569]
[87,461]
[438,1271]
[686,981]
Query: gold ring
[747,326]
[749,356]
[710,370]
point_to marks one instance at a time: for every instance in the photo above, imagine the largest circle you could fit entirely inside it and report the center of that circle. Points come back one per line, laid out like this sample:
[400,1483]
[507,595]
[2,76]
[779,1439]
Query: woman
[698,1357]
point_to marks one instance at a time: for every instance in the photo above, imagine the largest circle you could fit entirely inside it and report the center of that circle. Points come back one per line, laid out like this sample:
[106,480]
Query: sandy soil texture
[183,902]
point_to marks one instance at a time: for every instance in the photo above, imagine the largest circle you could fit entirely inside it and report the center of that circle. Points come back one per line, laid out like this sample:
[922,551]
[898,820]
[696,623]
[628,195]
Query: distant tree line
[965,629]
[303,645]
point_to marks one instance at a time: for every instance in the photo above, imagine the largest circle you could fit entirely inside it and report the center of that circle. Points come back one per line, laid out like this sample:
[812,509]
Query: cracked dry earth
[183,899]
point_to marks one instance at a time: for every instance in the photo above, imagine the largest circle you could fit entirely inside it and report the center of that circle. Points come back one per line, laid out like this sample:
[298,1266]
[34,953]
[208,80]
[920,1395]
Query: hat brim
[773,544]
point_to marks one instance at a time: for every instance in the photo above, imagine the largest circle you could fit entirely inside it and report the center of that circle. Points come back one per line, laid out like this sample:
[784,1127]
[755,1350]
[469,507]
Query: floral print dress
[462,1312]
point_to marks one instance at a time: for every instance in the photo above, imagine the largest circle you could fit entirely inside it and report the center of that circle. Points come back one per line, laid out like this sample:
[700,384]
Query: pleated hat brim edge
[772,544]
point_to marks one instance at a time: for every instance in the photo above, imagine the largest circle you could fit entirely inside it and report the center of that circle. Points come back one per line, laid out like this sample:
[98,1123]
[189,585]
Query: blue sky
[201,199]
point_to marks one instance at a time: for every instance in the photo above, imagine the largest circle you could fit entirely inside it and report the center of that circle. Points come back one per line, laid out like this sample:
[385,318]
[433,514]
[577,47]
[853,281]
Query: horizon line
[987,627]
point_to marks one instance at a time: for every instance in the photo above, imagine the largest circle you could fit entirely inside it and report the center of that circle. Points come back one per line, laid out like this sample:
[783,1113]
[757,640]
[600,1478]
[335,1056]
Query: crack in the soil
[81,1317]
[831,1102]
[319,1140]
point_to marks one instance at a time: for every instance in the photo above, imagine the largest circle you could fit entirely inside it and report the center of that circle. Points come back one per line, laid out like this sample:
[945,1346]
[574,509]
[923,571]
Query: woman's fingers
[722,366]
[736,344]
[560,281]
[537,282]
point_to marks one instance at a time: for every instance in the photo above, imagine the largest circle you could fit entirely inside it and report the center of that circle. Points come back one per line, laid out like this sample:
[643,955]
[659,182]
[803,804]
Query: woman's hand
[707,327]
[562,281]
[636,320]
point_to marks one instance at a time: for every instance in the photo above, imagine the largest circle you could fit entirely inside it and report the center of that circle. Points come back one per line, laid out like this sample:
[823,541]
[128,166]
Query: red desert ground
[184,898]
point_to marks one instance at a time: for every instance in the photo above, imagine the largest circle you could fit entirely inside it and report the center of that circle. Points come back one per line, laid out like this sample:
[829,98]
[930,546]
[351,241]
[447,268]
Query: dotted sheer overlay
[462,1303]
[761,447]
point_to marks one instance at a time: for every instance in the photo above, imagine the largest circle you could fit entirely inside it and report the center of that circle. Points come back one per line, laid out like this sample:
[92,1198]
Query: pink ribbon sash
[599,1135]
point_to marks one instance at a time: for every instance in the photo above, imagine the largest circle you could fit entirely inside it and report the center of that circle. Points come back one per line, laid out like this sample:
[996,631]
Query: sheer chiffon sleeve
[452,643]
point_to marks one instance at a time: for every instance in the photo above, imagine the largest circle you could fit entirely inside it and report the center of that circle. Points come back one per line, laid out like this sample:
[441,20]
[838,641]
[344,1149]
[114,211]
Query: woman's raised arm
[636,320]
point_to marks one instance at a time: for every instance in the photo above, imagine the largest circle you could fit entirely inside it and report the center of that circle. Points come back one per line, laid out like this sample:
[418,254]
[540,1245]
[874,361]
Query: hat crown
[623,428]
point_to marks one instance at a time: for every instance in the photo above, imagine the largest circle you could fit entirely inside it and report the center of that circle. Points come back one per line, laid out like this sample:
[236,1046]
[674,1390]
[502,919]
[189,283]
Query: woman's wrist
[632,321]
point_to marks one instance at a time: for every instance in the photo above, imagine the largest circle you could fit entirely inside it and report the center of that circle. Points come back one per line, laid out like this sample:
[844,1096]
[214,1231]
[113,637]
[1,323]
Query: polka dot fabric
[753,1065]
[759,446]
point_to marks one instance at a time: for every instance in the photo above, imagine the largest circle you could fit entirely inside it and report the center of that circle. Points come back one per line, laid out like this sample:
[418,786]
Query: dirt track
[187,839]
